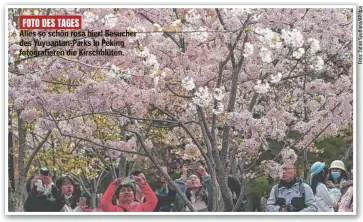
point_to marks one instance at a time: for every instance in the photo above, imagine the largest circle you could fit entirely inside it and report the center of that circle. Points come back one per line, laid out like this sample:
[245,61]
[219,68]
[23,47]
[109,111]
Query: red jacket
[148,206]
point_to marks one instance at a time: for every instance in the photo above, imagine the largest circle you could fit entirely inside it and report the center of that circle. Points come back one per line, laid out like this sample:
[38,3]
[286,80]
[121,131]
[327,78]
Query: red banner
[50,22]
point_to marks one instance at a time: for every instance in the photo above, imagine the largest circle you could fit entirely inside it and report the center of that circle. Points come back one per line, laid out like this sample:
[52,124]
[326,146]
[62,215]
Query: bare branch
[79,180]
[155,162]
[40,145]
[166,33]
[60,83]
[177,94]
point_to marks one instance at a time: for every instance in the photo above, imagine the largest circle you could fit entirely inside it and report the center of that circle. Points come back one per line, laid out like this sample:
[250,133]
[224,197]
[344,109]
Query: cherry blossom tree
[220,82]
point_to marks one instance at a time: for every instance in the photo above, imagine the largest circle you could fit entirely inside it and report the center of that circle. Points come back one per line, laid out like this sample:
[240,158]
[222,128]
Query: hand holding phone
[140,181]
[162,178]
[46,180]
[201,171]
[185,169]
[83,203]
[118,181]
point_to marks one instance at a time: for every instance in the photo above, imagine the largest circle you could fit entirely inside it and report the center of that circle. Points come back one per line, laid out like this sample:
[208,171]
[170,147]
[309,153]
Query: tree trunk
[225,191]
[11,161]
[122,167]
[241,195]
[11,200]
[93,194]
[20,188]
[234,168]
[348,153]
[219,201]
[306,166]
[94,200]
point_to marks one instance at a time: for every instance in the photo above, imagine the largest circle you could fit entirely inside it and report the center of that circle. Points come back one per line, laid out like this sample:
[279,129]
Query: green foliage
[333,148]
[258,186]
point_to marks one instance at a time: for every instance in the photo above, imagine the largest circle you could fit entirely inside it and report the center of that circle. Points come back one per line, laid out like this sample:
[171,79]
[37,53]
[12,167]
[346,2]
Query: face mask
[335,175]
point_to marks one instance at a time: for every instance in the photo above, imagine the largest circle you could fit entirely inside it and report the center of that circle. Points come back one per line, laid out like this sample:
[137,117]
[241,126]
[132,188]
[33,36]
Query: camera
[297,204]
[132,179]
[44,171]
[128,180]
[282,203]
[290,208]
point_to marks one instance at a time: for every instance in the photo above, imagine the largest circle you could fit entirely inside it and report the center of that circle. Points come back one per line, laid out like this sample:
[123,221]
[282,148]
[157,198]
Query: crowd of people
[330,190]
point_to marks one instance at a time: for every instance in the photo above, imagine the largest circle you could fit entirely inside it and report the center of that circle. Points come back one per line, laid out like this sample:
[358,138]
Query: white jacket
[326,198]
[67,208]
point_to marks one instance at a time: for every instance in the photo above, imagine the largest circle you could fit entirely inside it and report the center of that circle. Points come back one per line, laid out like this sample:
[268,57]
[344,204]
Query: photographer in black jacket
[44,195]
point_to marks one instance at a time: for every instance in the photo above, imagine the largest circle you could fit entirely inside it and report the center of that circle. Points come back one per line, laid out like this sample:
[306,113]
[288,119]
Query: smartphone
[83,202]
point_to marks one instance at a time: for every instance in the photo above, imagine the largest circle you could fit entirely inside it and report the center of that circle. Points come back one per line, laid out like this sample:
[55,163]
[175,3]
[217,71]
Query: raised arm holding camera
[44,195]
[125,191]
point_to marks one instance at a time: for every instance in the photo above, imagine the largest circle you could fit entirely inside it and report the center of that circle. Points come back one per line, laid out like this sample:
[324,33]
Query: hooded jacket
[288,193]
[326,198]
[148,206]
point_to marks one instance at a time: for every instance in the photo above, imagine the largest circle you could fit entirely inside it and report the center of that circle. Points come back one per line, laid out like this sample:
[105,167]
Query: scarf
[287,184]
